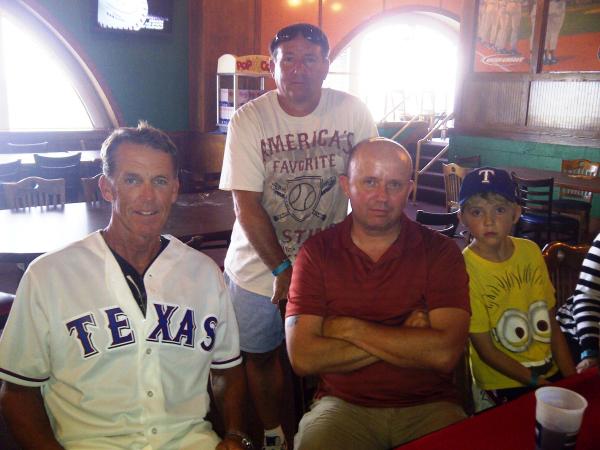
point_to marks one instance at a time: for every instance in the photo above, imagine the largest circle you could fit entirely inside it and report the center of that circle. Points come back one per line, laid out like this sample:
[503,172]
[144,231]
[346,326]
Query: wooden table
[27,233]
[590,184]
[511,426]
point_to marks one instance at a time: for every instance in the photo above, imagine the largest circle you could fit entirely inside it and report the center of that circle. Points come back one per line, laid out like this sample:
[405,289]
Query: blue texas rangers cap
[487,179]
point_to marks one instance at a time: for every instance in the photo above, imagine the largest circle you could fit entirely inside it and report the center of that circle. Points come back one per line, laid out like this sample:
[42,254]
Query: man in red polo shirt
[379,309]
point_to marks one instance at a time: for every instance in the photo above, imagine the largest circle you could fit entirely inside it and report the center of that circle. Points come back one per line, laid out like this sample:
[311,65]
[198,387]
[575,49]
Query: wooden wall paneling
[465,56]
[573,105]
[497,102]
[340,18]
[224,26]
[216,28]
[557,108]
[276,14]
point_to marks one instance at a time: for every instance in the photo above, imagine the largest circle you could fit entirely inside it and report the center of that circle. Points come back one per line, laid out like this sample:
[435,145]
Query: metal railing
[426,138]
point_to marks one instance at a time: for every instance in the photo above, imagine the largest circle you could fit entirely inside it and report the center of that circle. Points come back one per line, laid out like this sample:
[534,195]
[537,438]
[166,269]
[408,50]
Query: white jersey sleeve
[227,348]
[24,353]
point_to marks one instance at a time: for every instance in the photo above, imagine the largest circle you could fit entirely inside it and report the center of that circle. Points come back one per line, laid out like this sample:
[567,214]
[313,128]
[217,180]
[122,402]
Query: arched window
[44,84]
[408,61]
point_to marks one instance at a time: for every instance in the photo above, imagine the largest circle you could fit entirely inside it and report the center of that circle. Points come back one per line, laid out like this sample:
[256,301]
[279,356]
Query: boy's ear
[460,218]
[517,214]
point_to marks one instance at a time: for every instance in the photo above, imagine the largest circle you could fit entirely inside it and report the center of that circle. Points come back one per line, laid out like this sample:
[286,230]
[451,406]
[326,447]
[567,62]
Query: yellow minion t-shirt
[511,300]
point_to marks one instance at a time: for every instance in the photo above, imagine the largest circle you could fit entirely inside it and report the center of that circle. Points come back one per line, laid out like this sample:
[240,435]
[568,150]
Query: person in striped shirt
[579,317]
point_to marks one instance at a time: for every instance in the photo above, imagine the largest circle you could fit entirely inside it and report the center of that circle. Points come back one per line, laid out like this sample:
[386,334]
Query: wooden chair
[67,167]
[564,265]
[463,381]
[211,180]
[215,247]
[573,201]
[445,223]
[34,191]
[27,148]
[10,171]
[91,189]
[190,182]
[6,301]
[453,177]
[537,217]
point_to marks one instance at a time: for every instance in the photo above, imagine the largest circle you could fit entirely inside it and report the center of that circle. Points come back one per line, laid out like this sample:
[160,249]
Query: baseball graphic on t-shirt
[302,196]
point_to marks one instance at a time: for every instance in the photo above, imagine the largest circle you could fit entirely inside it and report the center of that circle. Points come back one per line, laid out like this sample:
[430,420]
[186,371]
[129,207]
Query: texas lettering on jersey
[168,329]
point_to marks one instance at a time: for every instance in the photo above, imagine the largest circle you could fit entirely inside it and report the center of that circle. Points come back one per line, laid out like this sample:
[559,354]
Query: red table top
[511,426]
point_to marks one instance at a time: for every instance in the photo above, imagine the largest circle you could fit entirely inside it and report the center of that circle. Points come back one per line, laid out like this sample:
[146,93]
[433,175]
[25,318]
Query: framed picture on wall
[503,41]
[572,42]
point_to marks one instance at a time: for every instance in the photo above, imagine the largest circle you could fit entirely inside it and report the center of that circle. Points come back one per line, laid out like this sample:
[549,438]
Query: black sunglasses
[309,32]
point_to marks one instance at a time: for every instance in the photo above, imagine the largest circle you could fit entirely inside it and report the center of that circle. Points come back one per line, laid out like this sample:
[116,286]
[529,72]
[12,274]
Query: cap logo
[486,175]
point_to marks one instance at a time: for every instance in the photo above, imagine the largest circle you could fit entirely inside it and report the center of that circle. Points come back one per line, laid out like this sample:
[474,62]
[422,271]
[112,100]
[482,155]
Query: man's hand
[586,364]
[418,319]
[281,285]
[230,443]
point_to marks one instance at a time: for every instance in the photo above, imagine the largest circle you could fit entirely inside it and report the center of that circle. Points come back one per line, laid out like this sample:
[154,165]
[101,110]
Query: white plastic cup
[558,415]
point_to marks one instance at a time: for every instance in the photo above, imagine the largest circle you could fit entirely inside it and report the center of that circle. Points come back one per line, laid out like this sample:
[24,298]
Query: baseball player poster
[505,36]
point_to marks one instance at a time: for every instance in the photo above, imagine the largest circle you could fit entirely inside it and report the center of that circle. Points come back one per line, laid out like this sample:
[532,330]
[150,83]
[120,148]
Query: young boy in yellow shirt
[515,341]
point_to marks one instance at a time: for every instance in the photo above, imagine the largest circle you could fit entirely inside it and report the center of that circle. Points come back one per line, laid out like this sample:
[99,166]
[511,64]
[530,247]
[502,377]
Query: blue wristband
[589,354]
[285,265]
[533,381]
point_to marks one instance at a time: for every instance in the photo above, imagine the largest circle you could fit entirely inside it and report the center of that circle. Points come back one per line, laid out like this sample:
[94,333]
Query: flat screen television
[134,16]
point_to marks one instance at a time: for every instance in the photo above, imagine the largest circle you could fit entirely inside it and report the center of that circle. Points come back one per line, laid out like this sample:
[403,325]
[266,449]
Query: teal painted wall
[503,152]
[147,76]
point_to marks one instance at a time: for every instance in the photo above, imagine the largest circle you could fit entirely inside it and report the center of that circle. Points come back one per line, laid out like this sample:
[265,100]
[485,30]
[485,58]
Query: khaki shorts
[334,424]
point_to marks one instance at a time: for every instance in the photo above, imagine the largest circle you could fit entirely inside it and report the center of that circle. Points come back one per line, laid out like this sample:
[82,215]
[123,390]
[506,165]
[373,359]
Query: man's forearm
[311,353]
[24,412]
[255,222]
[258,228]
[230,393]
[404,346]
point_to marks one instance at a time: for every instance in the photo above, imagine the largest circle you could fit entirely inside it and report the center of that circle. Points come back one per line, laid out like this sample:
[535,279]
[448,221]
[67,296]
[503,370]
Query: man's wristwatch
[241,438]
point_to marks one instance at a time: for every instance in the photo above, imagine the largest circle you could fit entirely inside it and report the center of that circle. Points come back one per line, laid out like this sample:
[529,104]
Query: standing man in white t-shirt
[283,155]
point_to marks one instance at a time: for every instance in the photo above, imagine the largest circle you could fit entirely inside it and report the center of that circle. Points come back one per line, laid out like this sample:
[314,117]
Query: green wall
[147,76]
[503,152]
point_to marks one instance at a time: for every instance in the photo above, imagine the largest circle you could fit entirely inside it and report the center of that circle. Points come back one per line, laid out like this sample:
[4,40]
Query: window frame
[94,98]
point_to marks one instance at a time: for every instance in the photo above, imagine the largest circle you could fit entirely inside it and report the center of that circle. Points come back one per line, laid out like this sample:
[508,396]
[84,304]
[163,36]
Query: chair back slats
[445,223]
[57,161]
[578,168]
[535,196]
[10,171]
[564,265]
[27,147]
[453,177]
[67,167]
[34,191]
[91,189]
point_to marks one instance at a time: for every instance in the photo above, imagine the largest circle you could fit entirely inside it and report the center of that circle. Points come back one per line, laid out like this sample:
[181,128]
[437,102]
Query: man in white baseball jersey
[283,154]
[111,339]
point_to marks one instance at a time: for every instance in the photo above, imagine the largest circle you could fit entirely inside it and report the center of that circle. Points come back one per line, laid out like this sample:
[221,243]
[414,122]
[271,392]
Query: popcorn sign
[255,64]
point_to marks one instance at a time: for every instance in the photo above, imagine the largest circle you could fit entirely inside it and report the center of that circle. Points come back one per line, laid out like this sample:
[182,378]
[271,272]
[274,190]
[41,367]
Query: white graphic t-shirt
[295,163]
